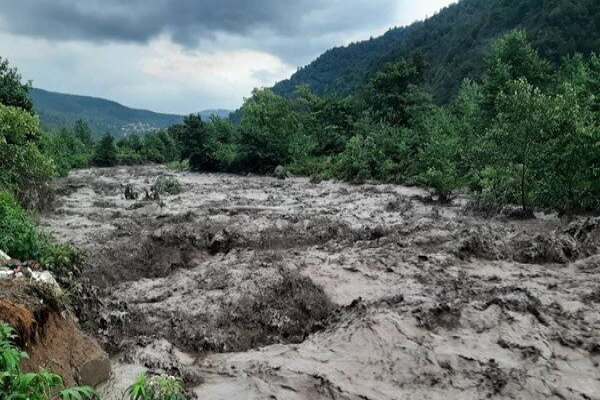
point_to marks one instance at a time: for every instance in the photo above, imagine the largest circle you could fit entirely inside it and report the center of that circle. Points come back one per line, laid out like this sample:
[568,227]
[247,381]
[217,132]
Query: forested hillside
[454,43]
[57,110]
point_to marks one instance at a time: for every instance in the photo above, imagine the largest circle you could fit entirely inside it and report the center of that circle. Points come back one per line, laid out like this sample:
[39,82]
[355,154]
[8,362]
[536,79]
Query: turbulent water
[257,288]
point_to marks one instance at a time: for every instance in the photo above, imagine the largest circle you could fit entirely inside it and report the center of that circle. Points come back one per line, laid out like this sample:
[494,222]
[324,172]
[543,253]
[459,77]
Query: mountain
[454,43]
[58,110]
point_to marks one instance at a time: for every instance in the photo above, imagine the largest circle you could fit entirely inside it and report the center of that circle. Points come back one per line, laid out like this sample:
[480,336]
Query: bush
[167,184]
[179,166]
[160,387]
[20,239]
[24,170]
[18,235]
[14,384]
[378,153]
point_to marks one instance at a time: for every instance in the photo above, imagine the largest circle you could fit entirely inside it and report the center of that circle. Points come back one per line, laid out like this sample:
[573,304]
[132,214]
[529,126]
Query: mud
[260,288]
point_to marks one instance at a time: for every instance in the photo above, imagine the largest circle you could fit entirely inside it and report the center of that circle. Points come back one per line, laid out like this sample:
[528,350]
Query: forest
[454,41]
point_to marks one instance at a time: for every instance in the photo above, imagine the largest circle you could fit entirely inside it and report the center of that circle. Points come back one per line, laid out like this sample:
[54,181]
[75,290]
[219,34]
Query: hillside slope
[58,110]
[454,43]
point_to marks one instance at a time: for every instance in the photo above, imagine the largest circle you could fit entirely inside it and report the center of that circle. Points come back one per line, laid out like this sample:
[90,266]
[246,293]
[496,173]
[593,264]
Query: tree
[571,166]
[270,132]
[513,58]
[12,91]
[24,170]
[82,131]
[192,135]
[105,154]
[395,96]
[519,135]
[438,161]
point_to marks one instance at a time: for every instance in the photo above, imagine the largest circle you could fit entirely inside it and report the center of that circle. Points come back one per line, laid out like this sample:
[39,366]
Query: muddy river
[258,288]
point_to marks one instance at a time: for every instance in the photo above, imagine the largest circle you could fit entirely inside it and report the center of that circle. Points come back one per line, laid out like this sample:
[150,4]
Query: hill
[454,43]
[58,110]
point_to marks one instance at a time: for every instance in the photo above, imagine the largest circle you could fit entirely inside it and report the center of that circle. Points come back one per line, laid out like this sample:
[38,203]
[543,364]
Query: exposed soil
[50,335]
[260,288]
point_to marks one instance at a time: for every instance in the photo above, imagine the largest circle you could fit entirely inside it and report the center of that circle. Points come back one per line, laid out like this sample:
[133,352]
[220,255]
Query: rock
[4,256]
[45,277]
[280,172]
[22,271]
[94,371]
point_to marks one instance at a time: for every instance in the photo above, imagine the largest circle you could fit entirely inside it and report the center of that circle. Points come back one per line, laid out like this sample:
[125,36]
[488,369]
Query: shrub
[14,384]
[24,170]
[160,387]
[18,235]
[179,166]
[167,184]
[20,239]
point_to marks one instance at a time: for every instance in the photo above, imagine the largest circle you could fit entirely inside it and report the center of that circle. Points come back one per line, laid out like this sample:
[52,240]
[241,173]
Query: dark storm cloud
[192,22]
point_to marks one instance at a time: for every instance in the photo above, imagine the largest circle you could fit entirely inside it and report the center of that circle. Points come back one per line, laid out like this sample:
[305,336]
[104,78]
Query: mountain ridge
[454,42]
[57,110]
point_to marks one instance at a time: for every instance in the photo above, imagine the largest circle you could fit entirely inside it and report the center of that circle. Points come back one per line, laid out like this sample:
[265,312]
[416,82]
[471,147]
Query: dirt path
[256,288]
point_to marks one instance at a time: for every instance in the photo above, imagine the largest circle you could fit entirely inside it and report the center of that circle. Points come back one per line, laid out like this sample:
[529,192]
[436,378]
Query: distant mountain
[454,43]
[58,110]
[221,113]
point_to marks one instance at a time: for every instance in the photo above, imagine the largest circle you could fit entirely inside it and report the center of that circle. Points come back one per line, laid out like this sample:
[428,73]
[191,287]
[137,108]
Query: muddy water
[256,288]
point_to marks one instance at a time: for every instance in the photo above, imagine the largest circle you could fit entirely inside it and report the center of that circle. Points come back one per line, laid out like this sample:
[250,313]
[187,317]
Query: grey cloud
[298,24]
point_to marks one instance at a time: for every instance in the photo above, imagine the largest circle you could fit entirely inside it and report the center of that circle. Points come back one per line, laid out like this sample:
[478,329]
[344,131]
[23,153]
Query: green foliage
[455,42]
[270,132]
[20,238]
[67,150]
[379,152]
[179,166]
[17,385]
[12,91]
[18,235]
[513,58]
[167,184]
[439,158]
[105,153]
[23,168]
[395,97]
[160,387]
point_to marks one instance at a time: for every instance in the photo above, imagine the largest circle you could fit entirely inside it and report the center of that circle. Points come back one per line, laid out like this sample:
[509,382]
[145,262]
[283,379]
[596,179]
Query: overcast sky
[183,56]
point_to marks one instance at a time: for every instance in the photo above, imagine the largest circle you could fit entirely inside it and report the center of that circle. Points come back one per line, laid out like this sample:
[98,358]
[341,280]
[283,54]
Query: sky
[184,56]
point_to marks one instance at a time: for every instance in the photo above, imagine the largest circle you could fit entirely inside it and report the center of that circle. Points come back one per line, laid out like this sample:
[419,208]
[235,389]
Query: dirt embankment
[251,287]
[50,334]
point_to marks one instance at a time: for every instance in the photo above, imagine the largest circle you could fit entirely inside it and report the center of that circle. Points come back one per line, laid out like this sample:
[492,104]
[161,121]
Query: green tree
[513,58]
[395,96]
[12,91]
[105,153]
[519,136]
[571,165]
[438,161]
[271,133]
[82,131]
[24,170]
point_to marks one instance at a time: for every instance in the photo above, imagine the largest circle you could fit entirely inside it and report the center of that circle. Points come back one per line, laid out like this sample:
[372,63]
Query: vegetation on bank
[527,133]
[18,385]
